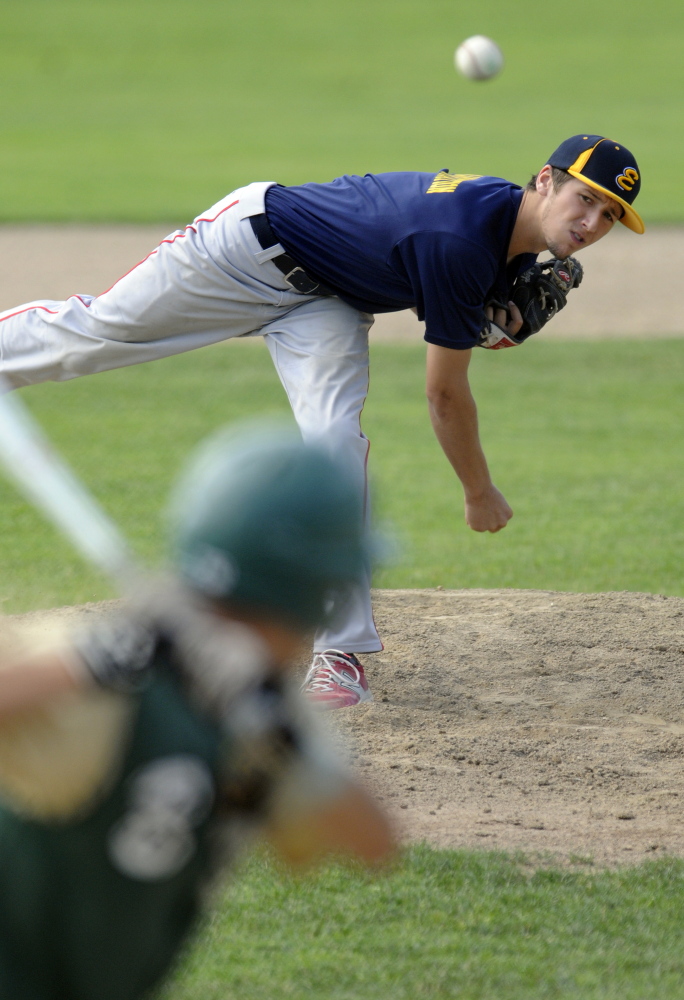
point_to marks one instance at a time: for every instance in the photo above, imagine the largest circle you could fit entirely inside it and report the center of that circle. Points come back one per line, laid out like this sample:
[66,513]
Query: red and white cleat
[335,680]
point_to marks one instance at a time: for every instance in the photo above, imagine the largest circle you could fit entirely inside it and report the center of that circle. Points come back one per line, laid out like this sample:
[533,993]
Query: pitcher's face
[575,215]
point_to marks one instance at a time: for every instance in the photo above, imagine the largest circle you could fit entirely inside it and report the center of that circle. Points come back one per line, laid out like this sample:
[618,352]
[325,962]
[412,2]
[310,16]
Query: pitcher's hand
[488,511]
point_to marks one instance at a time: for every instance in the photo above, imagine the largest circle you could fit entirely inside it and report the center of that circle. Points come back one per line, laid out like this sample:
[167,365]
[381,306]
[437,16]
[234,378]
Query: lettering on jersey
[627,179]
[444,181]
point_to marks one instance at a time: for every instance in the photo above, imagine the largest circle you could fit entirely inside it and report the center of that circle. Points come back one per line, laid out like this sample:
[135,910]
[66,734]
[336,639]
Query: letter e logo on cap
[627,179]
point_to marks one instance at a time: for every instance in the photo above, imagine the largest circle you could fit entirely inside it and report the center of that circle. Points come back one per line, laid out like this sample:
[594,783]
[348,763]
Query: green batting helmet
[263,520]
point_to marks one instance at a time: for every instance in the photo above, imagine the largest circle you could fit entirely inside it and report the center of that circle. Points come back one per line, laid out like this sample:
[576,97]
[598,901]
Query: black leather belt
[294,274]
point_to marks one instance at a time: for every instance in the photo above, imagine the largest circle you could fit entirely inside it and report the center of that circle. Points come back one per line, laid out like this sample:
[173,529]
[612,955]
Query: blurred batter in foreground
[140,756]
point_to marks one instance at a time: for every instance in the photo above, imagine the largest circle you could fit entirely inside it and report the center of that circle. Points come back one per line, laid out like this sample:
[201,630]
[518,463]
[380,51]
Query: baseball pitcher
[307,267]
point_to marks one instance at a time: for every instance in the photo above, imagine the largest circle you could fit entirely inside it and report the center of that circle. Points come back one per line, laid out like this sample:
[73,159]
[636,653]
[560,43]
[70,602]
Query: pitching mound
[522,720]
[530,720]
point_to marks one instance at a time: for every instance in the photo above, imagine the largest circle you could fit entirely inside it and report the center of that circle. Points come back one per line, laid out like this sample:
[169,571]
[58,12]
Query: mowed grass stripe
[586,441]
[153,111]
[444,924]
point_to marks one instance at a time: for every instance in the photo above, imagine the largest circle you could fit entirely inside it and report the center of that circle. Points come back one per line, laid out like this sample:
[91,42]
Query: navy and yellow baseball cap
[606,166]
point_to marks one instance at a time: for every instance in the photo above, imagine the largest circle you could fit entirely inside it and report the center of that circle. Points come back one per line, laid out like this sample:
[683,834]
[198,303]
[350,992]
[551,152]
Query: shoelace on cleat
[323,672]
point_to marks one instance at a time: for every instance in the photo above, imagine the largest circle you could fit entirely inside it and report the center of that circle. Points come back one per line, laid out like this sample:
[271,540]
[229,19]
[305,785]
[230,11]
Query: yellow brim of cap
[631,219]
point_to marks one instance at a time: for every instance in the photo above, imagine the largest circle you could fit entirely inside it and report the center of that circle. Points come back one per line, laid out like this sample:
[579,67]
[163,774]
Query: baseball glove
[539,296]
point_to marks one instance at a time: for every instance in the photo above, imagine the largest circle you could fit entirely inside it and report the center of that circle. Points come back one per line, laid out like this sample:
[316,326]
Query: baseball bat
[48,482]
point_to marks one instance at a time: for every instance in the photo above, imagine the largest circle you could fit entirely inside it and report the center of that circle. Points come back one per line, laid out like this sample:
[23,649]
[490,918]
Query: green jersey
[97,907]
[94,904]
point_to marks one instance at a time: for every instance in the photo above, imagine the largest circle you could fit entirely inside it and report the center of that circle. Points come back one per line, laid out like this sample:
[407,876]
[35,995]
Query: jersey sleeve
[451,277]
[117,652]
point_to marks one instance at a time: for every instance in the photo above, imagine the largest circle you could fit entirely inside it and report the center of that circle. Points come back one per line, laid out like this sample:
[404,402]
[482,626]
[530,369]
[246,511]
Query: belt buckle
[301,281]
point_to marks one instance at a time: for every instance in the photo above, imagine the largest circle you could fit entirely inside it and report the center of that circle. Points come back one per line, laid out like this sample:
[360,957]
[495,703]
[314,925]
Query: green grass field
[154,109]
[445,925]
[584,439]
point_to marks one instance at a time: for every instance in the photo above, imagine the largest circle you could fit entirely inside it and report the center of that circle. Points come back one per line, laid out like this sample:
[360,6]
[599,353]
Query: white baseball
[478,58]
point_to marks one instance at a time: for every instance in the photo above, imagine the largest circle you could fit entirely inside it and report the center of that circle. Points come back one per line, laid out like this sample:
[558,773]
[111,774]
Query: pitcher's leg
[199,286]
[353,628]
[320,351]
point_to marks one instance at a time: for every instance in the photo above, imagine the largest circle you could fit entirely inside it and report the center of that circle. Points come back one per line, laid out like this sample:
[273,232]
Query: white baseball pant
[207,283]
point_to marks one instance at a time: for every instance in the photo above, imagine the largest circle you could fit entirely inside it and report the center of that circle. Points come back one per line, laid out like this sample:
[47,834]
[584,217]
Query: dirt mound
[528,720]
[532,720]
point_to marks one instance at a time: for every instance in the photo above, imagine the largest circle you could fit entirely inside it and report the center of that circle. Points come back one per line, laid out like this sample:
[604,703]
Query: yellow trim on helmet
[583,157]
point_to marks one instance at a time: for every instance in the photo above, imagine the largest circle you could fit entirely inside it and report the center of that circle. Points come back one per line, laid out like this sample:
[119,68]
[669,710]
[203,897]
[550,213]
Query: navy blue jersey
[385,242]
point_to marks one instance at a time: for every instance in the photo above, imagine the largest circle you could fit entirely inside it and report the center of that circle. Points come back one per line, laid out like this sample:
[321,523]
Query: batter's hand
[488,511]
